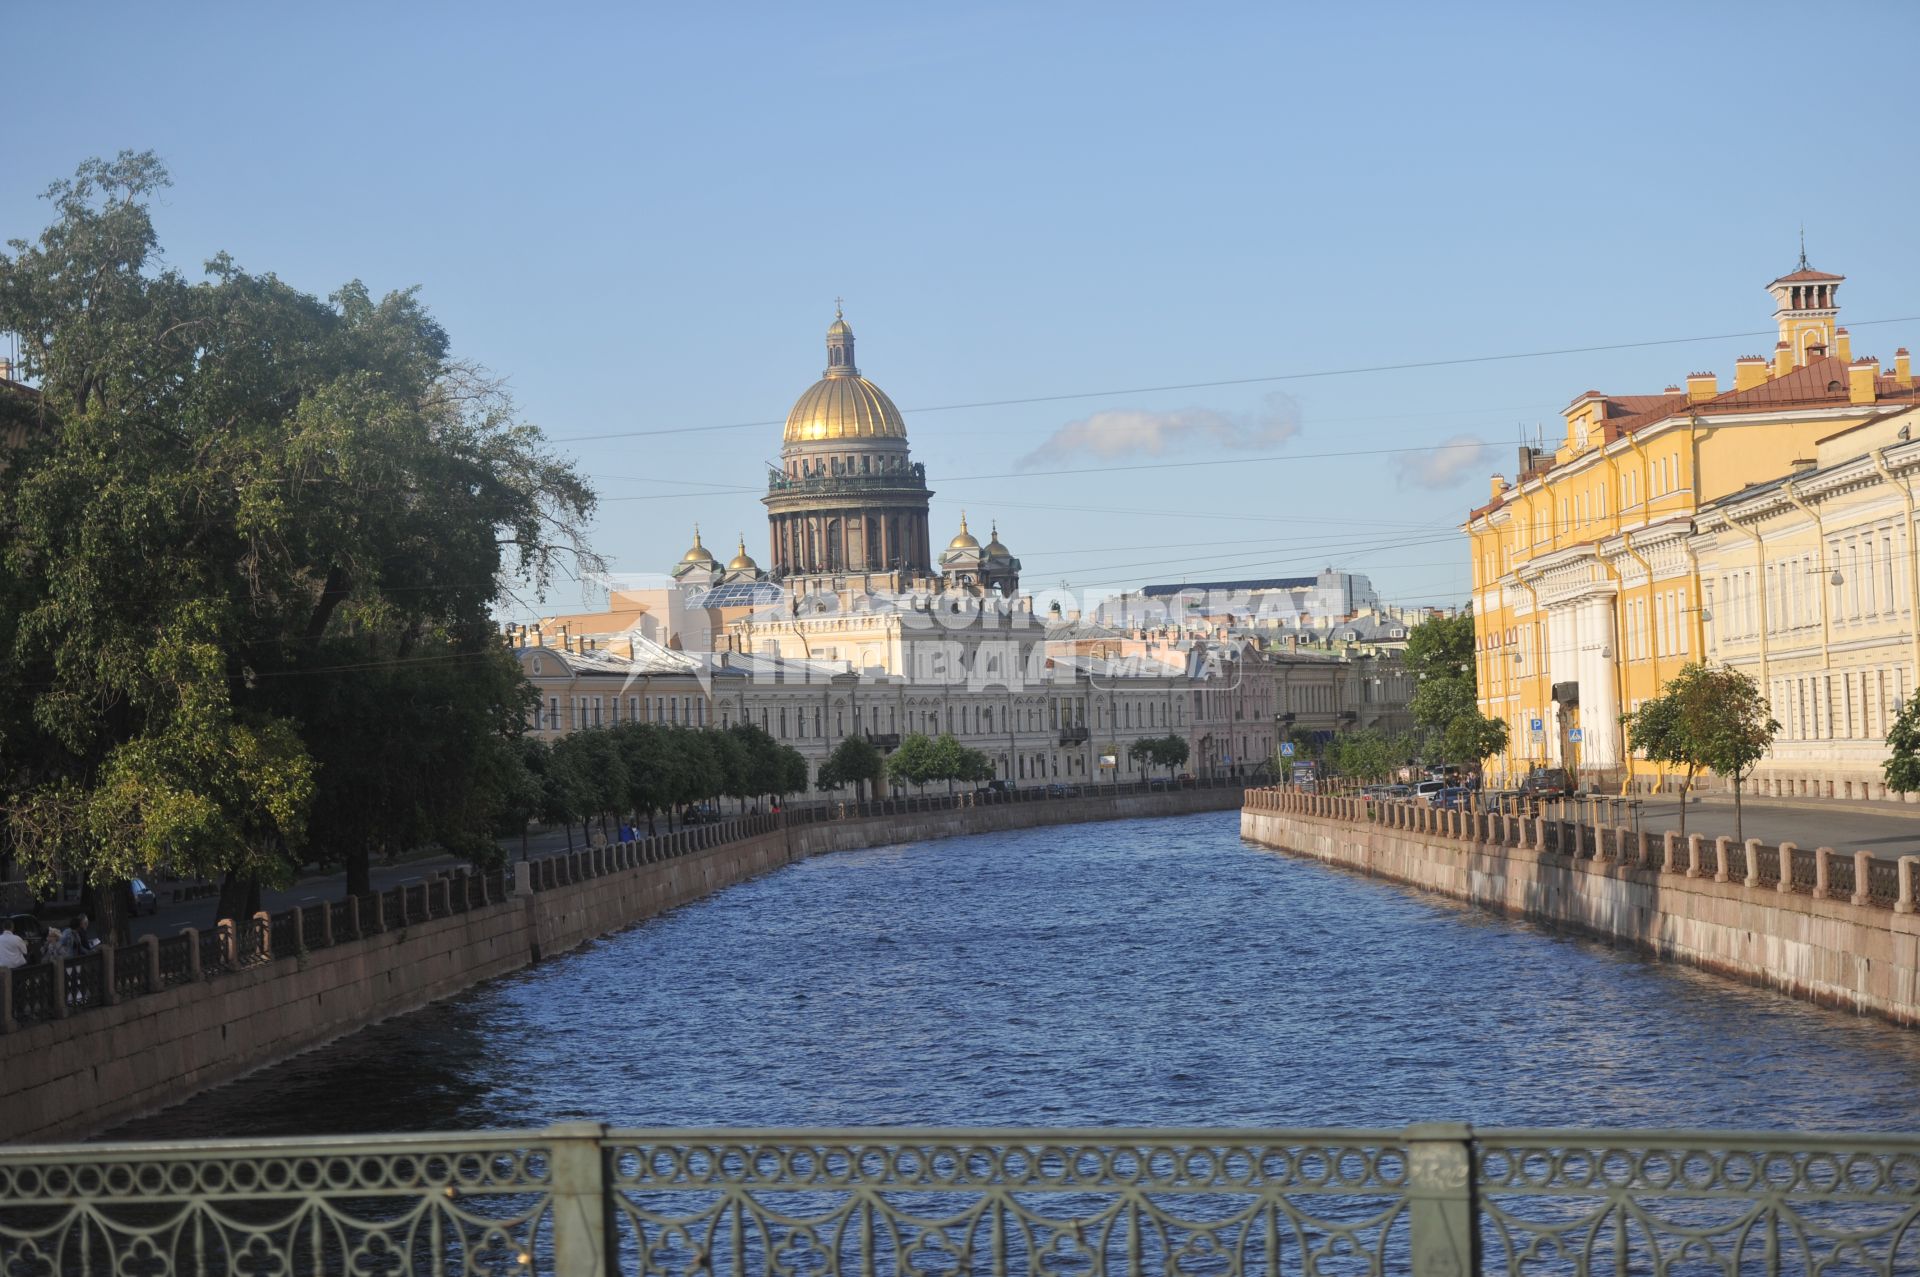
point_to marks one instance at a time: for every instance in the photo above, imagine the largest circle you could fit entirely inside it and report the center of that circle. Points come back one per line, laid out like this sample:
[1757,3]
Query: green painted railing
[583,1199]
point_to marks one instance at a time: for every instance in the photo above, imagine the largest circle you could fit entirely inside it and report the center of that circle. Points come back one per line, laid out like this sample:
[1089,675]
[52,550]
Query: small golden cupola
[742,561]
[698,553]
[995,550]
[963,539]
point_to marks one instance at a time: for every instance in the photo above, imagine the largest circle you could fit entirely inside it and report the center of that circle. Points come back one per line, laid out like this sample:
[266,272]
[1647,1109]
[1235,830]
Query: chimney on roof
[538,639]
[1749,371]
[1903,368]
[1701,386]
[1861,374]
[1842,343]
[1782,359]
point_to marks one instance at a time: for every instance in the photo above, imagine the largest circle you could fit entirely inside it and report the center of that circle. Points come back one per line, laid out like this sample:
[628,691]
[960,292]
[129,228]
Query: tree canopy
[250,557]
[1440,656]
[1705,717]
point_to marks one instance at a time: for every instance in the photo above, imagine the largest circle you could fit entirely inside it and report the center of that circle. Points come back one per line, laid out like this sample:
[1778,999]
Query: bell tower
[1806,303]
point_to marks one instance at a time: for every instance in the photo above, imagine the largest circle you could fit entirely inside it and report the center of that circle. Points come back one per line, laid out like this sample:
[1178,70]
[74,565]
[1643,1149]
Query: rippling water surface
[1154,972]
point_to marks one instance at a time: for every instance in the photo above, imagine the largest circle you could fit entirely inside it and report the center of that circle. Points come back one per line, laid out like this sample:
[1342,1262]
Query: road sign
[1286,749]
[1539,726]
[1576,735]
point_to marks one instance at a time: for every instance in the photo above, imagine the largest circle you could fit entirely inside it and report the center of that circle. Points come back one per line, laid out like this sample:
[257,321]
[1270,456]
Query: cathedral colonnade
[849,540]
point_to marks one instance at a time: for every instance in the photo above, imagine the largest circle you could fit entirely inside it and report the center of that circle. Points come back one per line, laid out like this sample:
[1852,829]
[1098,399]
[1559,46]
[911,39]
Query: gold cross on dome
[836,308]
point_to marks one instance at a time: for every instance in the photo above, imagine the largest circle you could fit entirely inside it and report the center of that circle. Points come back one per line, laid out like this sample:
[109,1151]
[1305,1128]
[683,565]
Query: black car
[1546,782]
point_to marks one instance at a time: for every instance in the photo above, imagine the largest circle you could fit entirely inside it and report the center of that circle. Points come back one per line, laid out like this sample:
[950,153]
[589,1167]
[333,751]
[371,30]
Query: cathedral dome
[699,553]
[994,548]
[742,562]
[843,404]
[963,539]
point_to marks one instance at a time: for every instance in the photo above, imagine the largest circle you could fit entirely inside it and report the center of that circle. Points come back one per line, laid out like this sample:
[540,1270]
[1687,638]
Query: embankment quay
[1143,977]
[1833,927]
[129,1028]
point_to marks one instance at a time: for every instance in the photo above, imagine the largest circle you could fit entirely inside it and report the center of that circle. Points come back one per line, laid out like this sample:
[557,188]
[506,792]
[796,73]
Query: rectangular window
[596,711]
[553,713]
[1887,573]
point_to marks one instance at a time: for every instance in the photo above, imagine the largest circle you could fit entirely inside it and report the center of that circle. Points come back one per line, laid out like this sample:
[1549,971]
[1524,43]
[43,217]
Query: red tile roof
[1808,277]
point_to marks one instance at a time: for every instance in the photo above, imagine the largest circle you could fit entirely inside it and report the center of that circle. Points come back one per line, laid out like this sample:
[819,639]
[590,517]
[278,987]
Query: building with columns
[855,626]
[848,499]
[1588,587]
[1808,585]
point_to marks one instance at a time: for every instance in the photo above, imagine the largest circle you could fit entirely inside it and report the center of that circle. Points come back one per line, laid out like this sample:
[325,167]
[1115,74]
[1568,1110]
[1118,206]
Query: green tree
[855,761]
[1439,655]
[1657,732]
[1473,737]
[1902,766]
[793,771]
[241,499]
[764,774]
[1706,717]
[949,760]
[1735,727]
[913,762]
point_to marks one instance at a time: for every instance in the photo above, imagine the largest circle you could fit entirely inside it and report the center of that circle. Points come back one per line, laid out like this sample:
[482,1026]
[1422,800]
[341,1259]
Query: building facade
[856,627]
[1808,585]
[1587,589]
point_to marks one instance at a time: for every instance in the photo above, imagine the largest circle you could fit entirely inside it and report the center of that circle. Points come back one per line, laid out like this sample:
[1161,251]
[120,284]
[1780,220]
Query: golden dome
[963,540]
[994,547]
[740,562]
[698,554]
[843,404]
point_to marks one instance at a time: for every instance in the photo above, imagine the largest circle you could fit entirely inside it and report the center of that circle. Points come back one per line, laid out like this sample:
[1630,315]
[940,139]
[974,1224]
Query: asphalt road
[1885,829]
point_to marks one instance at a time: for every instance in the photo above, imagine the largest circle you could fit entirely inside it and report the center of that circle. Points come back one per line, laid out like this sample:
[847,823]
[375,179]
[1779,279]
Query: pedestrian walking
[55,947]
[13,950]
[82,940]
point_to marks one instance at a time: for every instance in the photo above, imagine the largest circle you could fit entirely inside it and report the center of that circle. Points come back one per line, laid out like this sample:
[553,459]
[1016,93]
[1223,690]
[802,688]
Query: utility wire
[1362,370]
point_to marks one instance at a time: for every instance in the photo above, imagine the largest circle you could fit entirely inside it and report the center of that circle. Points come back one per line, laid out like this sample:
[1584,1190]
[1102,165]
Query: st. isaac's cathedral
[855,626]
[847,509]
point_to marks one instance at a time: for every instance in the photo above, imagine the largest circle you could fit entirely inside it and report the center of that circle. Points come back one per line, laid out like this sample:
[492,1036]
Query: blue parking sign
[1539,726]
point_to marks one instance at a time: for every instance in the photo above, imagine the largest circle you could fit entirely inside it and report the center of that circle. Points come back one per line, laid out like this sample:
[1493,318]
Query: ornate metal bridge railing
[582,1199]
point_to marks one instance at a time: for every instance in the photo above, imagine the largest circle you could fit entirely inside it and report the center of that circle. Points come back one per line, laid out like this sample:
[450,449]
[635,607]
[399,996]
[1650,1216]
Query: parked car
[994,789]
[1452,798]
[1426,789]
[144,899]
[1546,782]
[1057,790]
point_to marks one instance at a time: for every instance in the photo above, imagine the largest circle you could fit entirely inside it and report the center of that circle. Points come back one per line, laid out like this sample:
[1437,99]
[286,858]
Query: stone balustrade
[112,974]
[1824,924]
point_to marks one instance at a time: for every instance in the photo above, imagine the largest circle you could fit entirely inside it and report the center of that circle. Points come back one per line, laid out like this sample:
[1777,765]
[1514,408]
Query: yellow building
[1809,584]
[1586,583]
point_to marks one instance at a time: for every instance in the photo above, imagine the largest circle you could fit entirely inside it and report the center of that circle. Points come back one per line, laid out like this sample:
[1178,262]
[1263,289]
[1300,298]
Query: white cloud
[1445,465]
[1181,432]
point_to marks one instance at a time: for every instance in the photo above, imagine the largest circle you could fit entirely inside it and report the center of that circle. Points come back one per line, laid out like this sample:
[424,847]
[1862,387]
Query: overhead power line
[1264,379]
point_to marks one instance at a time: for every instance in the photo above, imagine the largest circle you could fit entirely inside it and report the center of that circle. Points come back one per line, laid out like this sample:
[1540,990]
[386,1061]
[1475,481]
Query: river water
[1154,972]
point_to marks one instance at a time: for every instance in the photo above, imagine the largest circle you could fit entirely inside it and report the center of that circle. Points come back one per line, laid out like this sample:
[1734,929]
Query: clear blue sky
[641,216]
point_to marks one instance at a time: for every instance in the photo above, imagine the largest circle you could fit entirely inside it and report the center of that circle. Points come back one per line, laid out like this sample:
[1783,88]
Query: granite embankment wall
[110,1046]
[1831,927]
